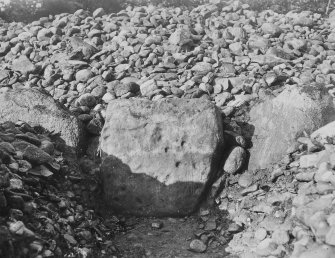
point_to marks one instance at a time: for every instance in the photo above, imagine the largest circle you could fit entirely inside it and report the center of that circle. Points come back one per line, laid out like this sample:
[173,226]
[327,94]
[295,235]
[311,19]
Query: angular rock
[23,65]
[330,237]
[325,134]
[267,59]
[181,36]
[148,87]
[271,29]
[280,121]
[236,48]
[313,159]
[37,108]
[160,156]
[258,42]
[202,68]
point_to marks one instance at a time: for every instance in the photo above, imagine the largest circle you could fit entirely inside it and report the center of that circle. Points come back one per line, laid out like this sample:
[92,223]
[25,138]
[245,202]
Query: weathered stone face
[160,156]
[37,108]
[278,122]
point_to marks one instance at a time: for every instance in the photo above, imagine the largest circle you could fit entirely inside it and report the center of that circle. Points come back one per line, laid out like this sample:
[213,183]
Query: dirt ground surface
[171,241]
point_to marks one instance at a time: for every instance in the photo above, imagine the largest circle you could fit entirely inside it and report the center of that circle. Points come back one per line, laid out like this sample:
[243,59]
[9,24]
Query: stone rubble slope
[230,55]
[289,212]
[44,199]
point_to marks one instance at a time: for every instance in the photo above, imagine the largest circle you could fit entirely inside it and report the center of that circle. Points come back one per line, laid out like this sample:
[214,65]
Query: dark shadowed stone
[36,155]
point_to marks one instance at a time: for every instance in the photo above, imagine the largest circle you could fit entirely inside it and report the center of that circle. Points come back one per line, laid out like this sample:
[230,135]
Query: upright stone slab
[160,158]
[278,122]
[37,108]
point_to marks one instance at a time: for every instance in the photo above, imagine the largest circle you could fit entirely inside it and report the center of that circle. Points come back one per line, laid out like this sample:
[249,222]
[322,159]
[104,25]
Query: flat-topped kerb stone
[159,157]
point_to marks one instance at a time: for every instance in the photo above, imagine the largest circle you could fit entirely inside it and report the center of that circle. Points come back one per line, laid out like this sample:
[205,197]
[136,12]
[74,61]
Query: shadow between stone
[137,194]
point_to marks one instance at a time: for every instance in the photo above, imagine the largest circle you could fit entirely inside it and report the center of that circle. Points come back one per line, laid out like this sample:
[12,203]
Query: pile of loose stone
[44,199]
[230,55]
[289,210]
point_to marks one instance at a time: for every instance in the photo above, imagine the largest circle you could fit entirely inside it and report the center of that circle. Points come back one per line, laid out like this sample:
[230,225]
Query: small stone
[36,246]
[271,29]
[202,68]
[305,176]
[210,225]
[249,189]
[48,253]
[16,183]
[99,12]
[276,172]
[234,228]
[312,160]
[331,219]
[147,88]
[70,239]
[16,214]
[235,160]
[98,92]
[48,147]
[19,228]
[24,65]
[266,247]
[87,235]
[16,227]
[84,75]
[94,126]
[245,180]
[86,99]
[198,246]
[44,34]
[121,68]
[36,155]
[222,98]
[325,134]
[271,78]
[204,212]
[157,225]
[3,200]
[180,36]
[24,166]
[257,42]
[236,48]
[108,97]
[260,234]
[280,236]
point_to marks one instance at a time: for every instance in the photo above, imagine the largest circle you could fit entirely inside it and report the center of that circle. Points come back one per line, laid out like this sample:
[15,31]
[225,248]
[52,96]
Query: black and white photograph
[167,129]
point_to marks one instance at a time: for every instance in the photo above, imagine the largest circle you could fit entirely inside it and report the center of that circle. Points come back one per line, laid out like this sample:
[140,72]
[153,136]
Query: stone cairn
[229,55]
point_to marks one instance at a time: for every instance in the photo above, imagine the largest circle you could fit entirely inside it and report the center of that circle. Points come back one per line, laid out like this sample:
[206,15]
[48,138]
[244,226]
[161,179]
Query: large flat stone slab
[279,121]
[37,108]
[160,158]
